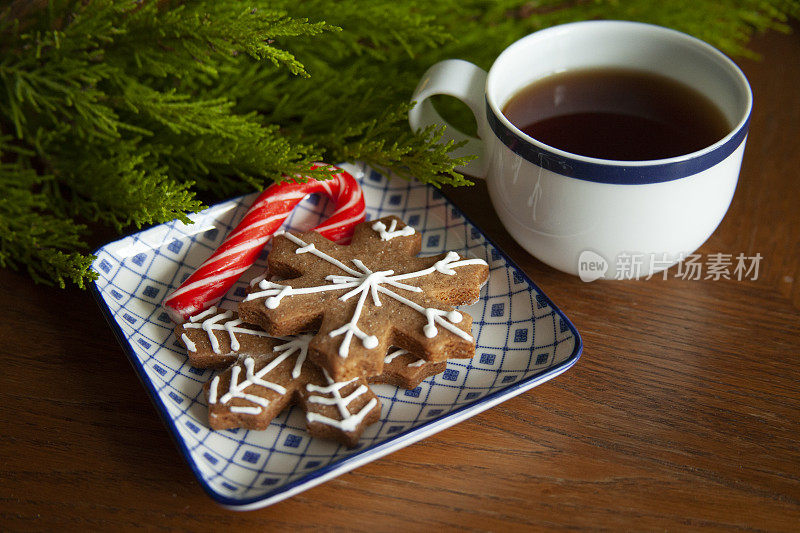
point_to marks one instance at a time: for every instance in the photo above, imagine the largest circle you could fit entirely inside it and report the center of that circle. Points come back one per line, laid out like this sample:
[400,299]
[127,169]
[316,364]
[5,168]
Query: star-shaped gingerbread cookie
[368,296]
[257,388]
[267,374]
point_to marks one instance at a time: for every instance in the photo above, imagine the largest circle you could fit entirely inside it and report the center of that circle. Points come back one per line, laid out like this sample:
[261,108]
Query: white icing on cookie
[349,421]
[397,353]
[192,347]
[245,409]
[211,323]
[392,355]
[297,345]
[392,232]
[364,283]
[212,390]
[238,389]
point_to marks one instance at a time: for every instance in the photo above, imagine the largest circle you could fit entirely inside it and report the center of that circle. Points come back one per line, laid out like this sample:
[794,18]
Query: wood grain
[684,411]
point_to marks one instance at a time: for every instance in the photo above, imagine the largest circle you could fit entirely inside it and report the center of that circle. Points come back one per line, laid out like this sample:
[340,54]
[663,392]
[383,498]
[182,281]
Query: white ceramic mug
[566,209]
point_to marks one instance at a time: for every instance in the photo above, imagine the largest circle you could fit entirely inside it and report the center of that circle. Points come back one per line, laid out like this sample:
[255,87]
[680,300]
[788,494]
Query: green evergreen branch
[386,143]
[210,31]
[123,189]
[116,112]
[41,243]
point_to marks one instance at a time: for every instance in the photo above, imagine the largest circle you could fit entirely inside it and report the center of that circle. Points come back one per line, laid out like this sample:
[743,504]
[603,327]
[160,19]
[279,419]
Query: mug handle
[467,82]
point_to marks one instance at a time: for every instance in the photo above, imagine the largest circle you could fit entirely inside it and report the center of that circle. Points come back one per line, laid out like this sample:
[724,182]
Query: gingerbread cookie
[257,387]
[271,373]
[268,374]
[366,297]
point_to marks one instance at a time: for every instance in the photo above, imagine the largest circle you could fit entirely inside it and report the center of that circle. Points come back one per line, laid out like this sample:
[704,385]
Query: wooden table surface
[683,412]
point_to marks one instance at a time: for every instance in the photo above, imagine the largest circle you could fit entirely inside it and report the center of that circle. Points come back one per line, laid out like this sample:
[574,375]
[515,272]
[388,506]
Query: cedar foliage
[119,113]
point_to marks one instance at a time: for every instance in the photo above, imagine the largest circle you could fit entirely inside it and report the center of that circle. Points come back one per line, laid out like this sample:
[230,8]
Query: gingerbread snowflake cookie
[253,391]
[269,374]
[368,296]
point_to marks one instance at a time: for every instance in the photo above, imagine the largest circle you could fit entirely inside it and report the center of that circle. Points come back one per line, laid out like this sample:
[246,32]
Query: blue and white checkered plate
[522,340]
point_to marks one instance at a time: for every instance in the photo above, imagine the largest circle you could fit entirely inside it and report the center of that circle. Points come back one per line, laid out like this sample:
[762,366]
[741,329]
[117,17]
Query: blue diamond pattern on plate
[251,469]
[450,374]
[251,457]
[150,291]
[139,259]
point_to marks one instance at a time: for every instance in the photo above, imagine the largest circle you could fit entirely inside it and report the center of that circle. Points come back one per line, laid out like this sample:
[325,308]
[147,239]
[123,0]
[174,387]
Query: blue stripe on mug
[610,173]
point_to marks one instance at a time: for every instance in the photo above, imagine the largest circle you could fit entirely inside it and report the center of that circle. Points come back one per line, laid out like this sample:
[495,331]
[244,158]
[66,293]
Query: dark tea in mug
[617,113]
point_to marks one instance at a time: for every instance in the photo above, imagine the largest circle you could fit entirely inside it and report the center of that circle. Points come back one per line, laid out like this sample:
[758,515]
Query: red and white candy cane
[240,249]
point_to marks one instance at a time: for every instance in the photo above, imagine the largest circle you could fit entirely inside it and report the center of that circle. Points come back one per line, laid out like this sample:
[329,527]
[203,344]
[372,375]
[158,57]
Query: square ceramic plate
[522,340]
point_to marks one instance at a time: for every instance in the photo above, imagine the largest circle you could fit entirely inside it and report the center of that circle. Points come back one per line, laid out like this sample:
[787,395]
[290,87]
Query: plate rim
[368,454]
